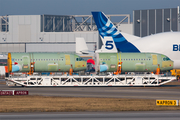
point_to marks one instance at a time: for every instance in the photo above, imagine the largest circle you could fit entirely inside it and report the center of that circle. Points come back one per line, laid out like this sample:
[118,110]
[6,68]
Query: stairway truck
[45,62]
[132,62]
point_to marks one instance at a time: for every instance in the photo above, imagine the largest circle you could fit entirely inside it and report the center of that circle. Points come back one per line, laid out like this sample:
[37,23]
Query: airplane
[166,43]
[107,61]
[45,62]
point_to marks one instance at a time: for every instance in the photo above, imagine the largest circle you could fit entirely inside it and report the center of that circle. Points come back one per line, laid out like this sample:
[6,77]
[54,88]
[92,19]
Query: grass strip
[71,104]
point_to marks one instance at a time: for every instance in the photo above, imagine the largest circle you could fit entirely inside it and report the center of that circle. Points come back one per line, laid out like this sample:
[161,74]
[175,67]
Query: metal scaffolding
[75,80]
[73,23]
[4,23]
[66,23]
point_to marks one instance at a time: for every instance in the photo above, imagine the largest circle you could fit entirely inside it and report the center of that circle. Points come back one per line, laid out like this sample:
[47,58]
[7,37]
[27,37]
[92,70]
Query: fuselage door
[68,60]
[113,63]
[26,62]
[155,60]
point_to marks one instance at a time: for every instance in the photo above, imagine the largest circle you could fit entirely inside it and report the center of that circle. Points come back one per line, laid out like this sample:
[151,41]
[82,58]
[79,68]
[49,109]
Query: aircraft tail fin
[107,29]
[81,46]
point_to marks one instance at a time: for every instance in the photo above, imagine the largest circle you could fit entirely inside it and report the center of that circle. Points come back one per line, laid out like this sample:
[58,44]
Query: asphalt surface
[140,115]
[163,92]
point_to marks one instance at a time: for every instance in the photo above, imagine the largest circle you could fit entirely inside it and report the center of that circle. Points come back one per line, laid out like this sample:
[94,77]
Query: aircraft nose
[103,68]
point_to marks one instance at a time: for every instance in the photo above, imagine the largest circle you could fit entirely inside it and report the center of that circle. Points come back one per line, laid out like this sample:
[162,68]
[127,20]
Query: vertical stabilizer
[81,46]
[107,29]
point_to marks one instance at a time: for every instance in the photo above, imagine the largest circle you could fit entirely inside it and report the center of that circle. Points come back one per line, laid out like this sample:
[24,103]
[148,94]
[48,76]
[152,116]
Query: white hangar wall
[24,35]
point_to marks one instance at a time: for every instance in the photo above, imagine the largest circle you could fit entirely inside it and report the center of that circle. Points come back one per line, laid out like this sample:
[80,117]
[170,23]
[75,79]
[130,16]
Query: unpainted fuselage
[133,62]
[45,62]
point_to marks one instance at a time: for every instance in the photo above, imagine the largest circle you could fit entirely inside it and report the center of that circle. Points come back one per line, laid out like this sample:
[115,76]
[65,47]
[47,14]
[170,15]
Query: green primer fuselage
[134,62]
[48,62]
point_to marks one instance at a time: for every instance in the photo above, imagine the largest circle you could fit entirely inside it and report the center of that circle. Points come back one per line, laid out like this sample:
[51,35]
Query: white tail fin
[81,46]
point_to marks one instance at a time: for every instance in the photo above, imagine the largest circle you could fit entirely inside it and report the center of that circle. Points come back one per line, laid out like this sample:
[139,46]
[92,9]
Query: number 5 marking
[109,45]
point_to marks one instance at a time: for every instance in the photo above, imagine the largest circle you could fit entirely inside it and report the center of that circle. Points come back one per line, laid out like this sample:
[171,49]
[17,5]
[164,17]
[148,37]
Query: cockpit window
[166,59]
[79,59]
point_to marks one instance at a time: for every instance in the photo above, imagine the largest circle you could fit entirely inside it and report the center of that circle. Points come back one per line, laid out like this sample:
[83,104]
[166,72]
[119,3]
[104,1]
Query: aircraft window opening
[149,59]
[136,59]
[34,59]
[126,59]
[101,59]
[41,59]
[46,59]
[62,59]
[21,59]
[31,60]
[51,59]
[121,59]
[57,59]
[141,59]
[54,59]
[15,59]
[129,59]
[108,59]
[166,59]
[76,59]
[144,59]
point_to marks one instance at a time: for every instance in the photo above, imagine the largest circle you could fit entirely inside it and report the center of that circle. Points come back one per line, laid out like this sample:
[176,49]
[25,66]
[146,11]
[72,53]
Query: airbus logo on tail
[176,47]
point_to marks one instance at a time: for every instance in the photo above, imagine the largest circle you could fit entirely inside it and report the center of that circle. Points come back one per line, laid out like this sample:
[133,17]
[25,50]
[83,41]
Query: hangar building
[47,33]
[57,33]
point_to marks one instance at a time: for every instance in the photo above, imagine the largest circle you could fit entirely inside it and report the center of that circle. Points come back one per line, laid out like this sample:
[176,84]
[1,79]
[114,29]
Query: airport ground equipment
[91,80]
[176,72]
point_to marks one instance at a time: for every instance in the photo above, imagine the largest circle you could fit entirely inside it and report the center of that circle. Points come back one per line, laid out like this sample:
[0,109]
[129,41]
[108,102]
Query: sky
[81,7]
